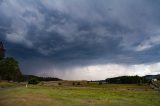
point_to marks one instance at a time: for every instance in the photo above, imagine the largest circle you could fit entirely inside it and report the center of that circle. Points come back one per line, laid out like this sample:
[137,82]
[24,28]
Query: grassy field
[68,93]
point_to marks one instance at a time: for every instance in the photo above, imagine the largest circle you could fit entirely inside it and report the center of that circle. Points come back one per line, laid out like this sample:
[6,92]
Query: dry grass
[29,100]
[80,95]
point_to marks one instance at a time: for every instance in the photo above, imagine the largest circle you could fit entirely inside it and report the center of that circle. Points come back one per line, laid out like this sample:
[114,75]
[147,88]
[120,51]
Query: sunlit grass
[91,95]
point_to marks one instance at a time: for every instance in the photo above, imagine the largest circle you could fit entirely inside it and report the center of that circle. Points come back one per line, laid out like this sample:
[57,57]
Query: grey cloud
[81,32]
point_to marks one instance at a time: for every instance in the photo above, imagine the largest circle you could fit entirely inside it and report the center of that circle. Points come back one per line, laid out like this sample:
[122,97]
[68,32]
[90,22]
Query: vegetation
[28,77]
[4,84]
[100,83]
[127,80]
[2,51]
[9,70]
[150,77]
[92,94]
[33,81]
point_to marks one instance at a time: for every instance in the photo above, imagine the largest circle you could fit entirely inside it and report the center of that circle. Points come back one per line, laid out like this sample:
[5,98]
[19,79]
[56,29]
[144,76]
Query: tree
[33,81]
[9,69]
[2,51]
[127,80]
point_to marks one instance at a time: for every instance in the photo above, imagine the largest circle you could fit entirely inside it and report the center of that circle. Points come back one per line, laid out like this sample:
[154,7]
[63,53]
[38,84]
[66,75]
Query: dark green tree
[2,51]
[9,69]
[33,81]
[127,80]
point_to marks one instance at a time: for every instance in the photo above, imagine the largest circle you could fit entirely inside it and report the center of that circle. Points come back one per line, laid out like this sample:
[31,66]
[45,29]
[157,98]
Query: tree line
[127,80]
[28,77]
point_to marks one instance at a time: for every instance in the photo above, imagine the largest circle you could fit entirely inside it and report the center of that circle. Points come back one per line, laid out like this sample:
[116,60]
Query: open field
[69,93]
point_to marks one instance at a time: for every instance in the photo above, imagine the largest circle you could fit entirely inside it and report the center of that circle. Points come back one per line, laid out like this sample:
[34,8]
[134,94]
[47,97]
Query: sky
[82,39]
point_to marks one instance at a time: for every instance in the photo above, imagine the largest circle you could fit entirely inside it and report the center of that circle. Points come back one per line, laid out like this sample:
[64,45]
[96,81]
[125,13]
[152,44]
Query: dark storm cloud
[81,32]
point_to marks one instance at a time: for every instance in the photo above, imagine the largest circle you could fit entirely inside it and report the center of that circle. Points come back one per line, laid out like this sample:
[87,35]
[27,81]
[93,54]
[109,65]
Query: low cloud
[100,72]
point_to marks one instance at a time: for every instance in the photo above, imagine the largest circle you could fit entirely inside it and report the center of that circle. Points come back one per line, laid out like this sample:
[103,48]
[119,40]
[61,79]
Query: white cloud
[100,72]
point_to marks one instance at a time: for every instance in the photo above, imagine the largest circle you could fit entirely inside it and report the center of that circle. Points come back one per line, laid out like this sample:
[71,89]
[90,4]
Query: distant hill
[126,80]
[132,79]
[27,77]
[150,77]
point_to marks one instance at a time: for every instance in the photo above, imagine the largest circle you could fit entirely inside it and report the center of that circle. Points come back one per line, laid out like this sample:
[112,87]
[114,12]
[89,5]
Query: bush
[78,83]
[73,83]
[42,83]
[59,83]
[100,83]
[33,81]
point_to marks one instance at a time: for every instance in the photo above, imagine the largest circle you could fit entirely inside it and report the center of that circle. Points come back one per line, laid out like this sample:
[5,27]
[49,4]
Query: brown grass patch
[29,100]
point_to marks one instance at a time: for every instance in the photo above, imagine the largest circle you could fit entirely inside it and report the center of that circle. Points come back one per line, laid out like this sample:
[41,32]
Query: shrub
[33,81]
[78,83]
[73,83]
[42,83]
[59,83]
[100,83]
